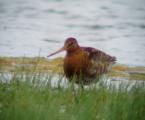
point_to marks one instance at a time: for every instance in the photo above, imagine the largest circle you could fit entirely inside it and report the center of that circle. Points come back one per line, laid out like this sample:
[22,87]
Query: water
[55,81]
[30,27]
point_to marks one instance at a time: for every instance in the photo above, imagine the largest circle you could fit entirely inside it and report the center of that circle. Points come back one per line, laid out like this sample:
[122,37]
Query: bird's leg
[72,83]
[81,84]
[73,88]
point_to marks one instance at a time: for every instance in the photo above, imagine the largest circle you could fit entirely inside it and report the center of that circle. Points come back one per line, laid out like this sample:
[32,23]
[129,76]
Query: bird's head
[70,45]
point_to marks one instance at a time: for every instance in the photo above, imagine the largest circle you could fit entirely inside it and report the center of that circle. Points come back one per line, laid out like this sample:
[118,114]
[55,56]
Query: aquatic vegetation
[25,97]
[28,94]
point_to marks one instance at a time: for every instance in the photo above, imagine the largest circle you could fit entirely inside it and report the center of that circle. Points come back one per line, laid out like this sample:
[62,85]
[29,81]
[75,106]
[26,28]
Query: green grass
[28,100]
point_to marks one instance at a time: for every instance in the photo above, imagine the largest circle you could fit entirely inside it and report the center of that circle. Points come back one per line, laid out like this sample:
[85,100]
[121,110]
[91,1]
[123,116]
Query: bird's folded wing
[99,55]
[100,61]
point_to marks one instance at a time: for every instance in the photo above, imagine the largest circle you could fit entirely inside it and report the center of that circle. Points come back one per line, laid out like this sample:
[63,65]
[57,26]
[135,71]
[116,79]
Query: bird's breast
[75,63]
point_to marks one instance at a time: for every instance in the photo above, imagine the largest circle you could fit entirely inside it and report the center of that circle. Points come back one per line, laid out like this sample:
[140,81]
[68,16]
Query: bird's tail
[113,60]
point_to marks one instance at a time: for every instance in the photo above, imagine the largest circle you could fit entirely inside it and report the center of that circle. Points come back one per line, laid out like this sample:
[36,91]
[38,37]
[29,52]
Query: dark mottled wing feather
[100,61]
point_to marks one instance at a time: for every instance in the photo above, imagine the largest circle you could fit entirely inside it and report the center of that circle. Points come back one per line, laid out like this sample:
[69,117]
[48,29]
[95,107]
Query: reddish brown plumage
[86,62]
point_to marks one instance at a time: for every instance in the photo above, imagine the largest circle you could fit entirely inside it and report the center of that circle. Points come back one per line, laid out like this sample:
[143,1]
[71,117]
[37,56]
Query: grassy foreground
[24,100]
[25,97]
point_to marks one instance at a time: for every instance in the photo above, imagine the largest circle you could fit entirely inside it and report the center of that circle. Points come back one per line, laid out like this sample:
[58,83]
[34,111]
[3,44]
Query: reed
[29,95]
[26,97]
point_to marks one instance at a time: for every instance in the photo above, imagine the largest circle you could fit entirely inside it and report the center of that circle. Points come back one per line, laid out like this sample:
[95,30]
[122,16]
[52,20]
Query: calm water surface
[30,27]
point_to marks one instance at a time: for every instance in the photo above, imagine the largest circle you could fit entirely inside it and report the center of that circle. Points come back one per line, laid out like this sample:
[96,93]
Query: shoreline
[55,66]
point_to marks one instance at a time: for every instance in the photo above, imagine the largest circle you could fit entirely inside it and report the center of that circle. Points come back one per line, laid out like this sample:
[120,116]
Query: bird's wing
[99,55]
[100,61]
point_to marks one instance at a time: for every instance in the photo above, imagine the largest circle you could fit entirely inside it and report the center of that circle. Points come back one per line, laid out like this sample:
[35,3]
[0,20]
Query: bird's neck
[73,51]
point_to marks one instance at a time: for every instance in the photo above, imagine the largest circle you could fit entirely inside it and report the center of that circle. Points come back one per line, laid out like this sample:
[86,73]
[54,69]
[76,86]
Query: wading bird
[85,63]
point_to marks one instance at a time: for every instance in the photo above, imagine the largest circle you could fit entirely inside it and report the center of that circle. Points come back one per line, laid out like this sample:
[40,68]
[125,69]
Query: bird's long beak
[58,51]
